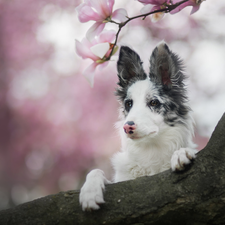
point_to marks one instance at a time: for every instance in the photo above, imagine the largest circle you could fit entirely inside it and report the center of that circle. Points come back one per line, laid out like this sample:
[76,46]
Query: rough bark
[195,196]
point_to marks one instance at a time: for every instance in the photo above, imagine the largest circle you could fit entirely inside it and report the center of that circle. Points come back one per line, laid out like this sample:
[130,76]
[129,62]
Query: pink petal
[120,15]
[106,7]
[102,7]
[146,9]
[176,1]
[83,51]
[95,4]
[95,30]
[177,9]
[89,73]
[107,36]
[100,49]
[87,43]
[153,2]
[86,13]
[111,3]
[103,65]
[180,7]
[195,9]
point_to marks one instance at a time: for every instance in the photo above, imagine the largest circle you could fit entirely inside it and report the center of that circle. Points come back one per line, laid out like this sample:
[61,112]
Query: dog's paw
[181,158]
[91,194]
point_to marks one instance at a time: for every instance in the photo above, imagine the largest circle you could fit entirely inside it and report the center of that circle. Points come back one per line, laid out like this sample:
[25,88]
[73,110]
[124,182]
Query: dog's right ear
[166,67]
[129,66]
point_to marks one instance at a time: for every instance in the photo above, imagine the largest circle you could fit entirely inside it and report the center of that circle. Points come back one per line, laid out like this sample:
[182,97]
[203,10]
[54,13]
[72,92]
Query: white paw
[91,194]
[182,157]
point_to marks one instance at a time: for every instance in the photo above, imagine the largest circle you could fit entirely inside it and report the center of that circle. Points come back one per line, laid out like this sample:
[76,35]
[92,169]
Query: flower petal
[147,8]
[110,4]
[107,7]
[102,7]
[83,51]
[86,13]
[120,15]
[89,73]
[95,30]
[195,9]
[95,4]
[107,36]
[180,7]
[153,2]
[103,65]
[100,49]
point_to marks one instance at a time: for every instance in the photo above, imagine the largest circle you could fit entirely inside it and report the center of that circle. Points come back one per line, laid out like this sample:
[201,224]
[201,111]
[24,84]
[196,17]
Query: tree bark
[195,196]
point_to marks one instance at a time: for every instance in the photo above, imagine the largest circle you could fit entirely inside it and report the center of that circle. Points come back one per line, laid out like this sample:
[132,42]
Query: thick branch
[195,196]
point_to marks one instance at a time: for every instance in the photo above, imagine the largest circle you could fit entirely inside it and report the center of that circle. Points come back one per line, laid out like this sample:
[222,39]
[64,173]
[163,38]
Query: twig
[168,8]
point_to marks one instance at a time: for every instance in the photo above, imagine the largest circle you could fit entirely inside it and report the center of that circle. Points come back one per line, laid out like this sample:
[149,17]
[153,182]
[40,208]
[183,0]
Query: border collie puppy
[156,125]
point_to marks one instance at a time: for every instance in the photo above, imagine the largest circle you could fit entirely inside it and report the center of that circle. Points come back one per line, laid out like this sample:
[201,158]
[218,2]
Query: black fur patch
[130,70]
[166,73]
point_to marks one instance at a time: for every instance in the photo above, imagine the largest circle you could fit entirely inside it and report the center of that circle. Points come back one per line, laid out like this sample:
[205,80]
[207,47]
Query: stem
[168,9]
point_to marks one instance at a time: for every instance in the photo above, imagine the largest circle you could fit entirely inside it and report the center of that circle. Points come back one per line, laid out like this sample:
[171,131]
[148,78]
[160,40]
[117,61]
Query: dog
[155,122]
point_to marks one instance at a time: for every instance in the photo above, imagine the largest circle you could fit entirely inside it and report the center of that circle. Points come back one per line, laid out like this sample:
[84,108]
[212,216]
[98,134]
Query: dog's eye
[128,104]
[154,102]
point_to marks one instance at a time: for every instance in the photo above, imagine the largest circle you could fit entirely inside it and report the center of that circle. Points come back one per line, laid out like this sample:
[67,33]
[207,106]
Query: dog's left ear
[165,67]
[129,66]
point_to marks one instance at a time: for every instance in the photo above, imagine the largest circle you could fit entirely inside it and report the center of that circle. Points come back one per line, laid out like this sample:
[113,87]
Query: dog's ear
[129,66]
[165,67]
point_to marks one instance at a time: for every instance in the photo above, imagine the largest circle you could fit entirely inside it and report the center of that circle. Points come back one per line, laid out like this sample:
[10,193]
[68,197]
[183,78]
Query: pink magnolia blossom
[194,3]
[160,4]
[98,50]
[157,4]
[101,12]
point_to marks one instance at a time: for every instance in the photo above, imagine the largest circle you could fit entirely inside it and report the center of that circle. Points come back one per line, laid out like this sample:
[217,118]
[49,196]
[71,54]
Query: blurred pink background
[54,127]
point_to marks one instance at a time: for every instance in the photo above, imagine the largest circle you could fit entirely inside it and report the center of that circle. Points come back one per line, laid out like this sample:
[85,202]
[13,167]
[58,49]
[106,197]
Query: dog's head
[151,103]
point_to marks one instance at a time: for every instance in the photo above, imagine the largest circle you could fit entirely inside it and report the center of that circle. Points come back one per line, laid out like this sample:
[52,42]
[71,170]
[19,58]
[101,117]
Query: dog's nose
[129,127]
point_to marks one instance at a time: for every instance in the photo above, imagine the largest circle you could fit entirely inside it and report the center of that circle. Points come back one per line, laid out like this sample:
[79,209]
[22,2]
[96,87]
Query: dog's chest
[148,168]
[137,162]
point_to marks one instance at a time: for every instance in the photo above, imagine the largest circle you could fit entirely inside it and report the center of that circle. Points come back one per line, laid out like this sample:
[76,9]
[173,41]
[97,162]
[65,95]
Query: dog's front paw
[181,158]
[91,194]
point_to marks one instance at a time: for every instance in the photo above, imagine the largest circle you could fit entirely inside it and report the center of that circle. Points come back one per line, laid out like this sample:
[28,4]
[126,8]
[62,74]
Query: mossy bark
[195,196]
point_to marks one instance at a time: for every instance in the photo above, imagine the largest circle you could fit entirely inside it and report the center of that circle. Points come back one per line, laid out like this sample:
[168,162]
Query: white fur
[153,147]
[91,193]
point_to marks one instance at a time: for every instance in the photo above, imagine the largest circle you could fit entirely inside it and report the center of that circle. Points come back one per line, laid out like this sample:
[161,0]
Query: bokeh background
[54,127]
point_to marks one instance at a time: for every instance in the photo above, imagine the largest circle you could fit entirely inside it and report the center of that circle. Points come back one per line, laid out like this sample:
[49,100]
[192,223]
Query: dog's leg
[182,157]
[91,194]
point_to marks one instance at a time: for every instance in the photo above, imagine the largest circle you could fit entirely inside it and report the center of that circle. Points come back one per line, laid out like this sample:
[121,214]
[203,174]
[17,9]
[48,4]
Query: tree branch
[167,8]
[195,196]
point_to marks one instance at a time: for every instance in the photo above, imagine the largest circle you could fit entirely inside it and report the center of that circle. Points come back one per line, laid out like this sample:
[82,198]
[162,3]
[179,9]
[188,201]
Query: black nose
[130,123]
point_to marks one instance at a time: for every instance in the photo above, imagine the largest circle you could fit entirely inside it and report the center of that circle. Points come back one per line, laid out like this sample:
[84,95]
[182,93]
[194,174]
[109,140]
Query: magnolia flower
[101,12]
[161,4]
[158,4]
[97,50]
[194,3]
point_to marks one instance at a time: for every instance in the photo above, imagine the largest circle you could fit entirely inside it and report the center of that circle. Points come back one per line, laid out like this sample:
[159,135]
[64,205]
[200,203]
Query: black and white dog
[155,124]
